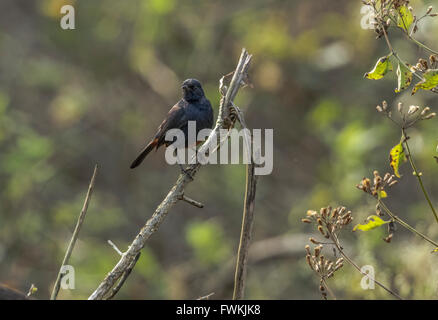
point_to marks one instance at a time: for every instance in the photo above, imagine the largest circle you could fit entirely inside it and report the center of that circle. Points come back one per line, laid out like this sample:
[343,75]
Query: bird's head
[192,90]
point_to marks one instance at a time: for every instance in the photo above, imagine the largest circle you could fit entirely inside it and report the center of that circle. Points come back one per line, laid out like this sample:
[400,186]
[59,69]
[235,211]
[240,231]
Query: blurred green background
[73,98]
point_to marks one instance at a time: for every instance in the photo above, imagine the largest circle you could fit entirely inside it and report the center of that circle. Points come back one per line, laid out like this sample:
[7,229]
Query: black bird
[194,106]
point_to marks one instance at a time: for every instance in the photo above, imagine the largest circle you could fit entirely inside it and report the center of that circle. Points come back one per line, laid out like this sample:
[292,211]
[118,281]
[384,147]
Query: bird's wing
[176,118]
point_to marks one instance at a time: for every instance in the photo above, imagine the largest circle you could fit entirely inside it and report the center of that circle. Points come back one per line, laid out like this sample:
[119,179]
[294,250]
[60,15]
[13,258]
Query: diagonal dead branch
[183,180]
[74,236]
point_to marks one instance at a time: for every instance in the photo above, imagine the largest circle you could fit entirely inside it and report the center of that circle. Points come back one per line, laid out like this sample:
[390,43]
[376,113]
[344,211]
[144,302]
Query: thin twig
[248,215]
[405,224]
[112,244]
[75,235]
[191,201]
[418,174]
[125,276]
[328,288]
[206,297]
[350,261]
[183,180]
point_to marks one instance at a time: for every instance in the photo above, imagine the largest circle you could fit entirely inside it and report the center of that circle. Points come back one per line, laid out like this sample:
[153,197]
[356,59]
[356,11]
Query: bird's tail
[144,153]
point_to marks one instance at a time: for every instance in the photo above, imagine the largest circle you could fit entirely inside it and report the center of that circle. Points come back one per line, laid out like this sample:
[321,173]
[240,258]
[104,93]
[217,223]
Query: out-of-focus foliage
[73,98]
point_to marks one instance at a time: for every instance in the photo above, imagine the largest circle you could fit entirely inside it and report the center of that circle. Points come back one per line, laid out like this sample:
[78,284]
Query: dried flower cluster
[423,65]
[386,12]
[324,267]
[407,117]
[328,220]
[379,184]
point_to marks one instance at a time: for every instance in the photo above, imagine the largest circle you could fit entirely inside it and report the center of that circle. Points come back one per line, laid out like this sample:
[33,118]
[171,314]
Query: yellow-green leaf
[396,158]
[383,194]
[405,18]
[382,67]
[429,82]
[434,250]
[371,223]
[404,77]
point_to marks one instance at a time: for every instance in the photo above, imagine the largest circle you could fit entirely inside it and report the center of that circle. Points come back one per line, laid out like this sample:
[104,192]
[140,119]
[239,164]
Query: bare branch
[124,277]
[75,235]
[184,179]
[207,297]
[248,215]
[112,244]
[191,201]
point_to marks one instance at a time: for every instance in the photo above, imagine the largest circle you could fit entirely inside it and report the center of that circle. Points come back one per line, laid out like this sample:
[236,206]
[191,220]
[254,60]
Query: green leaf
[371,223]
[430,81]
[405,18]
[396,158]
[404,76]
[382,67]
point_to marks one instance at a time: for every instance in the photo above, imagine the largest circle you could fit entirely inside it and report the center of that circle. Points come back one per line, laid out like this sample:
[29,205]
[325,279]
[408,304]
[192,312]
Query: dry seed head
[321,230]
[335,213]
[307,247]
[393,183]
[388,238]
[309,262]
[429,10]
[429,116]
[390,179]
[377,182]
[399,107]
[413,109]
[317,250]
[432,59]
[330,266]
[367,184]
[423,63]
[322,261]
[314,241]
[379,109]
[384,105]
[425,110]
[306,220]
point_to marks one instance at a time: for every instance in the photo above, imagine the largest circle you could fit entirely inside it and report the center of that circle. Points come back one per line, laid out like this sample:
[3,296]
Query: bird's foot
[185,172]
